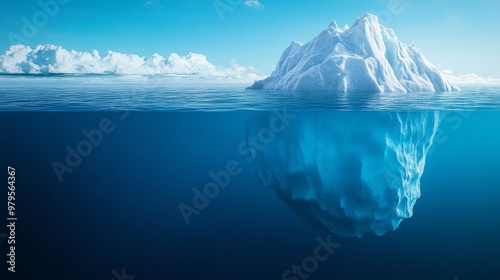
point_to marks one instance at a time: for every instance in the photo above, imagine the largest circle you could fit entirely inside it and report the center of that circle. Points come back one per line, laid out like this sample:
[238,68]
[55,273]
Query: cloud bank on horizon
[469,78]
[51,59]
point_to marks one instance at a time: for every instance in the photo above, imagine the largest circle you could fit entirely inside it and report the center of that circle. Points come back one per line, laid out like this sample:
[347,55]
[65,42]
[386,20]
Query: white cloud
[469,78]
[48,59]
[253,3]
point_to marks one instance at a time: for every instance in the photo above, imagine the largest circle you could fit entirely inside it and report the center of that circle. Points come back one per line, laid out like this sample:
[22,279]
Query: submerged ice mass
[366,57]
[350,173]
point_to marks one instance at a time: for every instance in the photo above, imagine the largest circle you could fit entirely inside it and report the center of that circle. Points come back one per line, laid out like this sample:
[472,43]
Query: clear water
[98,93]
[118,207]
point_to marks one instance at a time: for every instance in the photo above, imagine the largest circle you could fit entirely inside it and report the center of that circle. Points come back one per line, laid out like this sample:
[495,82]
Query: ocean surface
[114,212]
[62,92]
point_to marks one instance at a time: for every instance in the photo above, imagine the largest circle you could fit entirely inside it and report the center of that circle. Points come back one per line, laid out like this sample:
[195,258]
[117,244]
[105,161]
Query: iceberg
[364,58]
[349,173]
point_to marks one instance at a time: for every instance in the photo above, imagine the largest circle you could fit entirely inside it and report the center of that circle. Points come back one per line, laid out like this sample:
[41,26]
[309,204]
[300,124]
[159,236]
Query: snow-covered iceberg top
[51,59]
[366,57]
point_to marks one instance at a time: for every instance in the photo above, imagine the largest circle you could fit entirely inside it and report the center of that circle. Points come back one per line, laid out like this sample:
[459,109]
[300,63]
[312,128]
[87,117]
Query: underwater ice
[350,173]
[366,57]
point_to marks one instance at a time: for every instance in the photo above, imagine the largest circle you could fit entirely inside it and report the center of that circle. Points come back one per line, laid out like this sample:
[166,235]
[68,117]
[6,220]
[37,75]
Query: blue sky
[458,35]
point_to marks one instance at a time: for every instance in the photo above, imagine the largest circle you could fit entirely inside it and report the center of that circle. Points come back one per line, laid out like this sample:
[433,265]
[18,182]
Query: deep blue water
[118,208]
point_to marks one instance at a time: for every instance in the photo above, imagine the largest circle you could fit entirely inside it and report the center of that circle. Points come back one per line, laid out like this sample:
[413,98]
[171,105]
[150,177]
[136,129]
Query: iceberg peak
[366,57]
[367,17]
[333,25]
